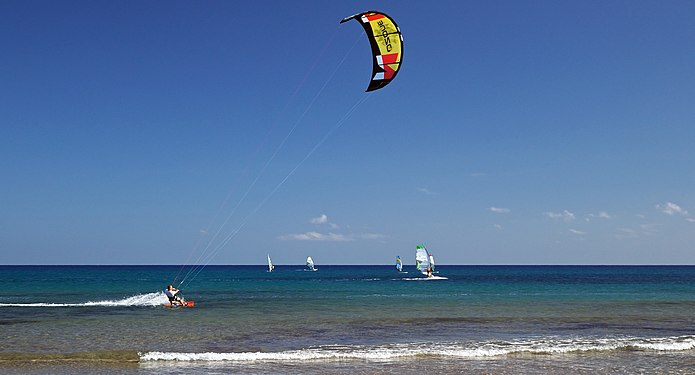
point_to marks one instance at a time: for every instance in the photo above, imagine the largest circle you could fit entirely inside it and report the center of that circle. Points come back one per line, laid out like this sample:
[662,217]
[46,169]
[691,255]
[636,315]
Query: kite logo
[385,35]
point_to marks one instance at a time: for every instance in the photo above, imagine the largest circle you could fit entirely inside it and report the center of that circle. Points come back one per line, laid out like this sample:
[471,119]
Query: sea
[348,320]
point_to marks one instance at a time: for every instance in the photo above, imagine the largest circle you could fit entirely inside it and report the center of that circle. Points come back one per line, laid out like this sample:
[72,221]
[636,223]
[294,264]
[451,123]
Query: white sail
[422,259]
[399,264]
[310,264]
[271,267]
[431,261]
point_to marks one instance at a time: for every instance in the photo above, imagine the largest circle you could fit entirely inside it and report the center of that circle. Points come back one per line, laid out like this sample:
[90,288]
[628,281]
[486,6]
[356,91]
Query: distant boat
[432,262]
[399,264]
[271,267]
[310,264]
[424,261]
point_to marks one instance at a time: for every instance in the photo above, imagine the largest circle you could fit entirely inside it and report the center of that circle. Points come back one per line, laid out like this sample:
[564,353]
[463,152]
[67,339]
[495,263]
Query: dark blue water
[501,319]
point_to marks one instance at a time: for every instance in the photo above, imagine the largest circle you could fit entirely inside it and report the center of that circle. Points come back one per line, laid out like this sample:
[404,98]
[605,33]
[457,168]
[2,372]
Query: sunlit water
[347,319]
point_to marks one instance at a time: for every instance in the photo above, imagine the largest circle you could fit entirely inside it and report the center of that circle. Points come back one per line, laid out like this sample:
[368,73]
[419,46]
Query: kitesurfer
[173,295]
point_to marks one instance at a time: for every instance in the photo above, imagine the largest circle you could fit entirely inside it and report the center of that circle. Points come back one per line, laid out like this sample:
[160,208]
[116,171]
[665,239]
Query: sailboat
[424,261]
[399,264]
[271,267]
[310,264]
[432,262]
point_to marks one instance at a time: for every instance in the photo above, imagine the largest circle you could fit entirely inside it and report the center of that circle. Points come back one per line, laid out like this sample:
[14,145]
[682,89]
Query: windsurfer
[173,295]
[429,272]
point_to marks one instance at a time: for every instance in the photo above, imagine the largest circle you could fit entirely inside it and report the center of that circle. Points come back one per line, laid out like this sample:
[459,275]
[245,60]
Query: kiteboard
[185,304]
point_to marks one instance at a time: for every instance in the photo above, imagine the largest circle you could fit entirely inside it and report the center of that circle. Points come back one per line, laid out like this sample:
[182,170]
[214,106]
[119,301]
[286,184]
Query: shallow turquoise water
[341,317]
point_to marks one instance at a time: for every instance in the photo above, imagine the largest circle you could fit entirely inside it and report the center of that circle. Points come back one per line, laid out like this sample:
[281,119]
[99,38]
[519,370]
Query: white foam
[424,278]
[667,344]
[457,350]
[149,299]
[319,354]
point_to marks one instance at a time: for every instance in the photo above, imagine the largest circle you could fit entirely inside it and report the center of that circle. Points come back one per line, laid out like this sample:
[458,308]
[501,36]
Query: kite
[387,46]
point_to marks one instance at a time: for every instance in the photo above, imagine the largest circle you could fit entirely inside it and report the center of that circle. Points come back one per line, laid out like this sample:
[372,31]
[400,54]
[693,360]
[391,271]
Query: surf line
[470,350]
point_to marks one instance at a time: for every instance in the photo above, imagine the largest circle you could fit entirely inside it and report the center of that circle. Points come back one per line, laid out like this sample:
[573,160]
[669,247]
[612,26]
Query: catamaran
[310,264]
[271,267]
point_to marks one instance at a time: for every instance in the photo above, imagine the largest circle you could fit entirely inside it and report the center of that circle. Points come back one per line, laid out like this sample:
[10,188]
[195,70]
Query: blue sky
[536,132]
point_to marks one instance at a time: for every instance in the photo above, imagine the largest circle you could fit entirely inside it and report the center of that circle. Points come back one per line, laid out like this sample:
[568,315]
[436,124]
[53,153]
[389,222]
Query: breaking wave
[432,350]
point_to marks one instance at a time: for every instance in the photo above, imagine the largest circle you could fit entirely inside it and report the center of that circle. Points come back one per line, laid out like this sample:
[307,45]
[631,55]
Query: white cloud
[564,215]
[499,210]
[600,215]
[425,191]
[577,232]
[690,219]
[642,230]
[331,237]
[316,236]
[498,226]
[671,208]
[323,219]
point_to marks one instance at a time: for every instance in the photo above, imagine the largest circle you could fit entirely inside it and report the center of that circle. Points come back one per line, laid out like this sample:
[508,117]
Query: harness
[173,297]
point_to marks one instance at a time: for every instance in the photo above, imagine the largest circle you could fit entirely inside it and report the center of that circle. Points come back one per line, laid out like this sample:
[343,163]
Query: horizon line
[356,265]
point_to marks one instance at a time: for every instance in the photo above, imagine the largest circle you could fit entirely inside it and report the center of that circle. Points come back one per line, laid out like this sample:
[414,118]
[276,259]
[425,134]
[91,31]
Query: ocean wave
[148,299]
[489,349]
